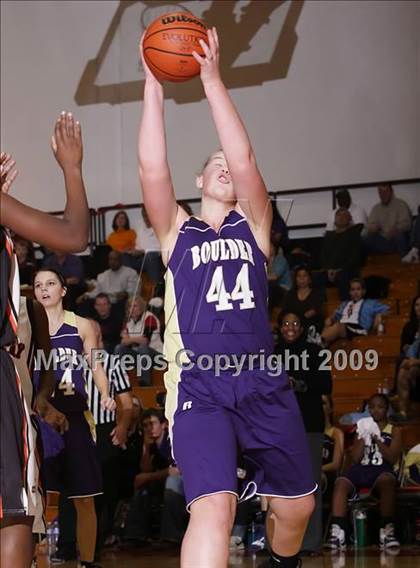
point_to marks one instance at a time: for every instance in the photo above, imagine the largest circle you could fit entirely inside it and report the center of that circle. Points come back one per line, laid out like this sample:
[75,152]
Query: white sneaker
[387,538]
[336,539]
[236,543]
[412,256]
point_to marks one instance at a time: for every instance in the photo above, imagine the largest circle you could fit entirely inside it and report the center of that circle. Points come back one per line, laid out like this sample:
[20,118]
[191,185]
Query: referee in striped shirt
[111,437]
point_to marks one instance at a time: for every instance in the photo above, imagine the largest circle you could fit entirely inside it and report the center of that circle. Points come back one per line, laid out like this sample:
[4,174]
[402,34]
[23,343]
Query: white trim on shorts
[208,495]
[289,496]
[75,496]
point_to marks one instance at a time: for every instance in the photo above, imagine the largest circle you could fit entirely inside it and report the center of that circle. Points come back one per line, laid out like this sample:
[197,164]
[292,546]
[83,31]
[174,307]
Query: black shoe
[59,557]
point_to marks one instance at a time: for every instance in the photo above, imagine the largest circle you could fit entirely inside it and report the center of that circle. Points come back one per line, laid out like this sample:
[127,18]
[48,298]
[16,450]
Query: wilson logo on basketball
[182,20]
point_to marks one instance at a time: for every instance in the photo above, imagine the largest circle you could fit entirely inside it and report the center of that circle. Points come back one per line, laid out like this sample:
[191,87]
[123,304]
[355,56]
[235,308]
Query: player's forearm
[124,418]
[76,212]
[46,383]
[230,128]
[152,153]
[45,229]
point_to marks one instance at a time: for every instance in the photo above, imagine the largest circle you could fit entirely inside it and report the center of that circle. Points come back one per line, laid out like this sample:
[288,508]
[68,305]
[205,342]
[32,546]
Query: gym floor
[371,557]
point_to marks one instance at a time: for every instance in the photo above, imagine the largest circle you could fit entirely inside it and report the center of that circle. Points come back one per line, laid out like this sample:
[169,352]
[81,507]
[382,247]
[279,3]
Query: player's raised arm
[249,186]
[158,192]
[70,233]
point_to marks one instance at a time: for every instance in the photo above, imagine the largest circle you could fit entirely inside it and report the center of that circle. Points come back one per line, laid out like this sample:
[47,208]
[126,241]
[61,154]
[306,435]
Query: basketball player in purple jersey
[75,469]
[216,303]
[70,233]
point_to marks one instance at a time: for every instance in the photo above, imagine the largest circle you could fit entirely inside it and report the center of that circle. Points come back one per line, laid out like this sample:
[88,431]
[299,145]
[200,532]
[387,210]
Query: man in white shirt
[118,282]
[146,255]
[358,214]
[389,224]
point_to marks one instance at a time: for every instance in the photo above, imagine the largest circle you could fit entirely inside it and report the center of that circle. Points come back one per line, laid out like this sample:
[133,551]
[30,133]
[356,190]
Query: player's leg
[333,332]
[16,544]
[343,488]
[286,523]
[386,487]
[206,542]
[86,527]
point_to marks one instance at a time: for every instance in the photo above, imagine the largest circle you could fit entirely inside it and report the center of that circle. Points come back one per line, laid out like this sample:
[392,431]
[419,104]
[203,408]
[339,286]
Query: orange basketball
[169,43]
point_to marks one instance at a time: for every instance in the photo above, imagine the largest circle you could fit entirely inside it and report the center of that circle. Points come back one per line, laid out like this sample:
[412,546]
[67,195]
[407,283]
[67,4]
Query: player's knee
[215,511]
[297,514]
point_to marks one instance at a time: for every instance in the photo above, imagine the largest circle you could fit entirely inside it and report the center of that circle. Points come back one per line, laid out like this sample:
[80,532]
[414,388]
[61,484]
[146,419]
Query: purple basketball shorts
[253,416]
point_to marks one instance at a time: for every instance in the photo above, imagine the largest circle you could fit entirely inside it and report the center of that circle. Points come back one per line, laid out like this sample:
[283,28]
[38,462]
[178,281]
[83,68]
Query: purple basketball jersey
[216,297]
[67,348]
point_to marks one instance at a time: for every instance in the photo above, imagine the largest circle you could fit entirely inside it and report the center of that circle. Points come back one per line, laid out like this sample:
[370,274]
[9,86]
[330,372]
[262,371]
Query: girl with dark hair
[354,317]
[304,300]
[71,464]
[374,454]
[122,238]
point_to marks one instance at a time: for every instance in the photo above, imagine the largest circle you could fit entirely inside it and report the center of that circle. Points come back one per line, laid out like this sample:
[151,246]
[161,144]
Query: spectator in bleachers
[26,259]
[341,254]
[412,467]
[145,254]
[354,317]
[279,230]
[71,267]
[149,484]
[407,380]
[122,239]
[389,224]
[374,454]
[141,335]
[411,329]
[344,201]
[309,382]
[279,277]
[332,448]
[110,320]
[118,282]
[413,254]
[304,300]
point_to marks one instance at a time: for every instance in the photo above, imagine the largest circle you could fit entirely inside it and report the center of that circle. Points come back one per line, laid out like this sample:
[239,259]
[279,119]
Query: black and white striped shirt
[118,383]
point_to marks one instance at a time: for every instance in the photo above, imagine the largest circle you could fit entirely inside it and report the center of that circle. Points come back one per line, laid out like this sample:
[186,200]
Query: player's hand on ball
[148,74]
[108,403]
[210,63]
[66,142]
[8,172]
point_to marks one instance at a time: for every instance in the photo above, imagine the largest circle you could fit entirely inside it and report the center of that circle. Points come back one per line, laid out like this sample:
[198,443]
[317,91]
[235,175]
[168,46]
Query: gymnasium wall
[329,91]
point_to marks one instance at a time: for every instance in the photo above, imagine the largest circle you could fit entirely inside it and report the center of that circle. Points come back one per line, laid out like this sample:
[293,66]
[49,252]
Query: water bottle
[252,532]
[360,532]
[52,537]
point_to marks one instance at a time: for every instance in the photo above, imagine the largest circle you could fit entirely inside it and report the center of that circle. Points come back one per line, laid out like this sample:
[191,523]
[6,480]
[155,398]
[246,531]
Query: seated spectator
[122,239]
[407,380]
[155,464]
[304,300]
[341,254]
[344,201]
[279,277]
[332,448]
[109,320]
[26,259]
[354,317]
[411,330]
[145,254]
[413,254]
[374,454]
[118,282]
[279,230]
[71,267]
[412,466]
[140,335]
[309,383]
[389,224]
